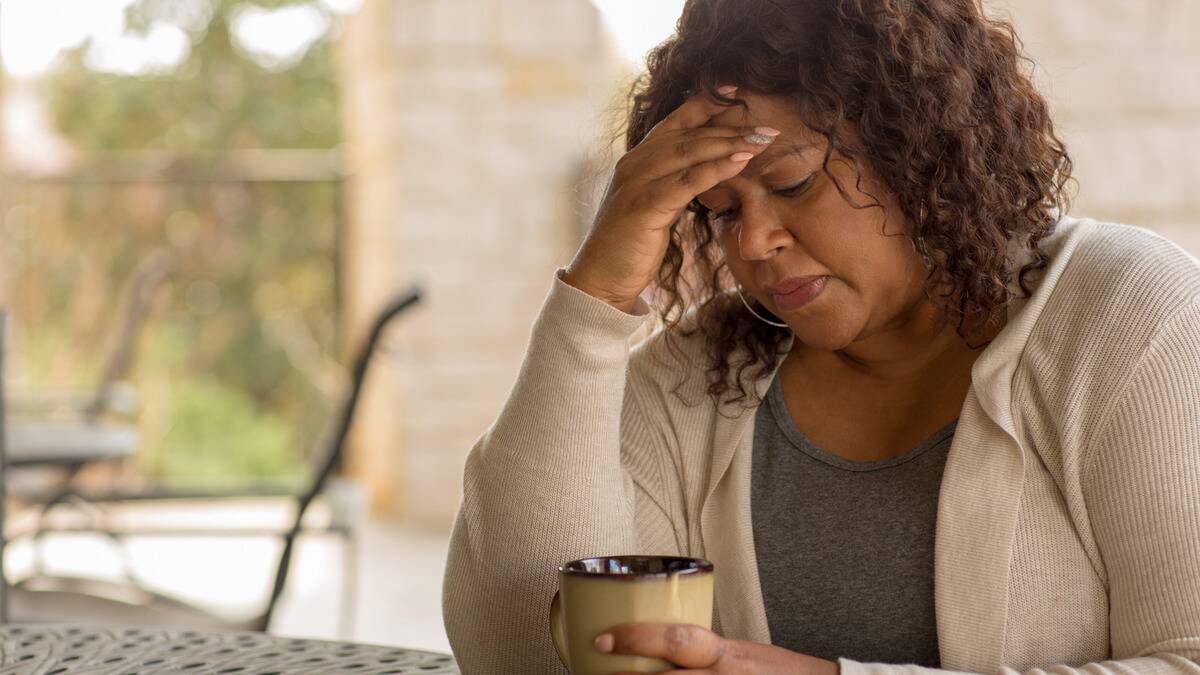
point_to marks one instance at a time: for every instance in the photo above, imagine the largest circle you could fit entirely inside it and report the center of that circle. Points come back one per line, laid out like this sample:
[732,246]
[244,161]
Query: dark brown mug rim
[698,566]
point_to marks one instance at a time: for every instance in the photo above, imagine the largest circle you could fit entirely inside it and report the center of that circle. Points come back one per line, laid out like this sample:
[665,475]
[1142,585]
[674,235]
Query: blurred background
[205,205]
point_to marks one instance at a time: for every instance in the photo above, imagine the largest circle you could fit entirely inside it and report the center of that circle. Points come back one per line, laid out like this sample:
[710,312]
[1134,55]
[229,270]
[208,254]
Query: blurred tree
[217,98]
[236,369]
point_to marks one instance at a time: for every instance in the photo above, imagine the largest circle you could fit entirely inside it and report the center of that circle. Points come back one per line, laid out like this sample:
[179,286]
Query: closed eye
[789,191]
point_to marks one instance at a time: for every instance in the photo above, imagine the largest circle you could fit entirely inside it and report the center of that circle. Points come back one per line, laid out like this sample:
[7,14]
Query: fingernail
[759,138]
[727,89]
[767,131]
[604,642]
[741,156]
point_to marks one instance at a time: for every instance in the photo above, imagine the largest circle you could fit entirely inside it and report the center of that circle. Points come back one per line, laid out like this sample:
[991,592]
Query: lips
[801,295]
[790,285]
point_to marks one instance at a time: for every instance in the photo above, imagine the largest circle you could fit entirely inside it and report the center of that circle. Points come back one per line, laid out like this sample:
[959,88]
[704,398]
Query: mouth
[798,291]
[790,284]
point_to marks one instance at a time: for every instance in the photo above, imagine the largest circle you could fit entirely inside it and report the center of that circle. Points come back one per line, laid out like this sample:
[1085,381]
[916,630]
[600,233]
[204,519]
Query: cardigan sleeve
[553,479]
[1142,491]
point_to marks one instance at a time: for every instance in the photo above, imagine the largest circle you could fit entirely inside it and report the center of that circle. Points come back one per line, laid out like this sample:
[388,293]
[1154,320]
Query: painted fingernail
[727,89]
[759,138]
[604,642]
[767,131]
[741,156]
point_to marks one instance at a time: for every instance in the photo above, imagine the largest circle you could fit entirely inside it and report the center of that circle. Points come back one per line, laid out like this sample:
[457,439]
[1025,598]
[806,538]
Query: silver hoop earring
[760,317]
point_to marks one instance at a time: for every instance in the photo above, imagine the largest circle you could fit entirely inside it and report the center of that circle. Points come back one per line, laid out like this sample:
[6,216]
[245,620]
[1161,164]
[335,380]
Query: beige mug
[595,594]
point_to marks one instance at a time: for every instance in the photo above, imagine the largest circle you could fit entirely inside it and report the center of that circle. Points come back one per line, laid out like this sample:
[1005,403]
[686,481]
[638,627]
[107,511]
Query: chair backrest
[150,273]
[331,459]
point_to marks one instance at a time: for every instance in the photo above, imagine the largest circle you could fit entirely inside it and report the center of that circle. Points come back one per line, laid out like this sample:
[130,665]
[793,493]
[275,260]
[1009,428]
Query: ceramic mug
[595,594]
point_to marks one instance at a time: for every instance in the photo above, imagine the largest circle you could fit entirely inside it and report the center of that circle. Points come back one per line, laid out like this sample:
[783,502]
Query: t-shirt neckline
[783,419]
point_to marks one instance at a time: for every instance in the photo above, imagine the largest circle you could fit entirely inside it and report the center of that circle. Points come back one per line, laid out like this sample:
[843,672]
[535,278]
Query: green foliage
[233,366]
[217,99]
[218,432]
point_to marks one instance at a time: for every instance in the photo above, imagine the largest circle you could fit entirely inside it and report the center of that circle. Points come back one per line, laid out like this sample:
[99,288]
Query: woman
[915,417]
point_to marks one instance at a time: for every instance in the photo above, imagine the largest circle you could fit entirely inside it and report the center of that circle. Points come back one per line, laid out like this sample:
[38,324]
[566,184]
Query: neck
[906,353]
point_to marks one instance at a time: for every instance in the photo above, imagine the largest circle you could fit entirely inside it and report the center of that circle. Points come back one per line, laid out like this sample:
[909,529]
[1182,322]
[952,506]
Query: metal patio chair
[67,430]
[60,598]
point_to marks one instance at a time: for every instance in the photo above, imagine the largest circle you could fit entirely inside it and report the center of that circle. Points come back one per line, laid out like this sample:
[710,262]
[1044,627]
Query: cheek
[865,247]
[889,284]
[876,269]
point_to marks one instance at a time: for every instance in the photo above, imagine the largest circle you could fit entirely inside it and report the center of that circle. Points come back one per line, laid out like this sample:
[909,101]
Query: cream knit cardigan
[1068,525]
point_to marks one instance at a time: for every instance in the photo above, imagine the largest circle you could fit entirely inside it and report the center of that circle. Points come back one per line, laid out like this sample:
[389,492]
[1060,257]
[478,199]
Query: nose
[761,233]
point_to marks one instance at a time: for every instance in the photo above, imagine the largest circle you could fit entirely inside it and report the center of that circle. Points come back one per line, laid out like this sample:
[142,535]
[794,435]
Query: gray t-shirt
[845,548]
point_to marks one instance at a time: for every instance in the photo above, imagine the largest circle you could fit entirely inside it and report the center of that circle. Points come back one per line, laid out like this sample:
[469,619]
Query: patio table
[33,649]
[66,443]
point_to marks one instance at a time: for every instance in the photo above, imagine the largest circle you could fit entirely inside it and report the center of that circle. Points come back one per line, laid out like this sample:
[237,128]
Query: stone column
[467,123]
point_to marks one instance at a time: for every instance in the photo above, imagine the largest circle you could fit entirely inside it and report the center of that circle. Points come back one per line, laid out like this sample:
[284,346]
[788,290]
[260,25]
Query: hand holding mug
[696,650]
[596,594]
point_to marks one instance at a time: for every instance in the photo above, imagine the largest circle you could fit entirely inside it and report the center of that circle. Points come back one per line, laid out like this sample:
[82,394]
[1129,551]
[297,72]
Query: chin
[824,343]
[823,335]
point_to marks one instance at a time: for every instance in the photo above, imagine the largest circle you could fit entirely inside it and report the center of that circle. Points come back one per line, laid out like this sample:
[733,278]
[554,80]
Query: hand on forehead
[771,111]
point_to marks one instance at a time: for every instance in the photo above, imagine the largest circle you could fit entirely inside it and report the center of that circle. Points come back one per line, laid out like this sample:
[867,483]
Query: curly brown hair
[943,112]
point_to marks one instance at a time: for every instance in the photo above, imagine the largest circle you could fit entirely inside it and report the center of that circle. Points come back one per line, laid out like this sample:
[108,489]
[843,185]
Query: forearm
[542,486]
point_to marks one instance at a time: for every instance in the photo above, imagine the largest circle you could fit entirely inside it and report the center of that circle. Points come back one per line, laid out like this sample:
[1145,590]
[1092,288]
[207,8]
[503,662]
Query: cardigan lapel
[977,515]
[978,502]
[982,484]
[726,528]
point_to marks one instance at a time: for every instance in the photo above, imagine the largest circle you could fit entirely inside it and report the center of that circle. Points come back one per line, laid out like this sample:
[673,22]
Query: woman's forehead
[771,111]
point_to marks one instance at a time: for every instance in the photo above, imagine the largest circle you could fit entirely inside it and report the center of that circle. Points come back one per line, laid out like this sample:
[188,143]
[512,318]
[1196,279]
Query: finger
[676,190]
[689,671]
[668,157]
[684,645]
[673,671]
[696,111]
[715,131]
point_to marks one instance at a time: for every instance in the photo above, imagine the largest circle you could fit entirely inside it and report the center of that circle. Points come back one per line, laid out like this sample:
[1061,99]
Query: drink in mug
[596,594]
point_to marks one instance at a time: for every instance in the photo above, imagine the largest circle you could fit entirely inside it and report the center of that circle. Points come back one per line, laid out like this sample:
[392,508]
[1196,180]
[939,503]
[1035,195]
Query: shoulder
[1120,283]
[1126,267]
[1115,290]
[1112,294]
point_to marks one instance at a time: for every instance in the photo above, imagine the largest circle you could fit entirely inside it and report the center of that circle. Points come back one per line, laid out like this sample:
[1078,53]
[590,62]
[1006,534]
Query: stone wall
[469,124]
[1123,79]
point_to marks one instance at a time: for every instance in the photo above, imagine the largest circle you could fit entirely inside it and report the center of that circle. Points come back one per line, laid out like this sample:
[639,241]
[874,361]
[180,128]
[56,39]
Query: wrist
[624,304]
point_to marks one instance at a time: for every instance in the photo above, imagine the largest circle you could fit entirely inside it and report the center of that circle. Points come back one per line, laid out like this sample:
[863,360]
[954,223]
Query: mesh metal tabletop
[61,649]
